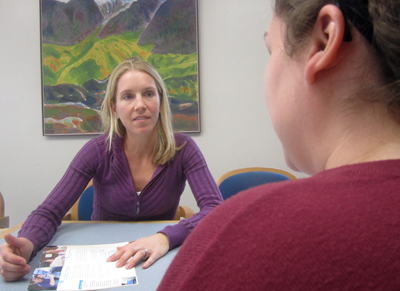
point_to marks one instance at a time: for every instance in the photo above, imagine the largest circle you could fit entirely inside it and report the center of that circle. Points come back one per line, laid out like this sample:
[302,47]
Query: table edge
[18,226]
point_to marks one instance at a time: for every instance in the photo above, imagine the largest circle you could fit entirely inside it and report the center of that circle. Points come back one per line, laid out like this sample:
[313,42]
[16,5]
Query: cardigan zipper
[141,194]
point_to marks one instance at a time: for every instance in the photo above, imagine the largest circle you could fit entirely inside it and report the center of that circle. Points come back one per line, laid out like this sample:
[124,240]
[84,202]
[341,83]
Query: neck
[375,138]
[140,148]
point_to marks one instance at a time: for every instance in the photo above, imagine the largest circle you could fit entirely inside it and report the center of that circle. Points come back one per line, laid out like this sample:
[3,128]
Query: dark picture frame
[82,41]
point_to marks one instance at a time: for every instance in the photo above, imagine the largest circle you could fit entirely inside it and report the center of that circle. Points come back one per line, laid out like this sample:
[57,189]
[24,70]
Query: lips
[141,118]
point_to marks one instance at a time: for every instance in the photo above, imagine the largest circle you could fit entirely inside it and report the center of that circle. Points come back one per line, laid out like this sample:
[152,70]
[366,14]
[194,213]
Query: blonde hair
[165,147]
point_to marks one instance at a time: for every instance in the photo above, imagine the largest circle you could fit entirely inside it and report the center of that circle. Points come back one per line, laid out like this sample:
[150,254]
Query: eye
[127,97]
[149,93]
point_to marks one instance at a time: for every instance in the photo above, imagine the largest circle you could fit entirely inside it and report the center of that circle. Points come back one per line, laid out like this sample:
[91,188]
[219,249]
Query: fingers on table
[11,272]
[148,257]
[151,259]
[8,257]
[131,258]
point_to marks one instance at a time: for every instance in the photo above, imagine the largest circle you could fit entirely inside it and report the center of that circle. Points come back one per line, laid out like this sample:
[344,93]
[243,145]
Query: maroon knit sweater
[338,230]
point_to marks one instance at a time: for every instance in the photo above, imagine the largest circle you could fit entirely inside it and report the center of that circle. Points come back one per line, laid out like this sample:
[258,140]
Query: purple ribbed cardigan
[115,195]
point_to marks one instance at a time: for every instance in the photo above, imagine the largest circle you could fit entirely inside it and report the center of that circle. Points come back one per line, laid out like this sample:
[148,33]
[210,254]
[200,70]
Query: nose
[140,103]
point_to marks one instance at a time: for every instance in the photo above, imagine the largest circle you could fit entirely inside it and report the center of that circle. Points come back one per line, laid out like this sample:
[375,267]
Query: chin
[144,131]
[293,167]
[291,164]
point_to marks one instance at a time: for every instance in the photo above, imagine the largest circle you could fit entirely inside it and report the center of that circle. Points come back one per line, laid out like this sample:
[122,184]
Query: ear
[326,39]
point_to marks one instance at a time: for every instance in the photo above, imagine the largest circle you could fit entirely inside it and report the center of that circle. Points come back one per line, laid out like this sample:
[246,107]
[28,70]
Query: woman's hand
[156,245]
[14,257]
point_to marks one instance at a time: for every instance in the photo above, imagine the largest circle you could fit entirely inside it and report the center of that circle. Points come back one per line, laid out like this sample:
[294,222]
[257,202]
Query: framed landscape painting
[82,41]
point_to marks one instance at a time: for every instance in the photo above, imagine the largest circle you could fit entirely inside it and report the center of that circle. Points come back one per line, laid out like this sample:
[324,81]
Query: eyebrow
[145,89]
[265,34]
[151,87]
[124,92]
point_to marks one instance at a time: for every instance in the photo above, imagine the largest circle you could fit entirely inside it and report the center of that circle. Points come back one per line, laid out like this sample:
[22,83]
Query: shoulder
[323,194]
[99,141]
[102,142]
[187,149]
[295,225]
[186,142]
[273,209]
[181,139]
[277,199]
[93,147]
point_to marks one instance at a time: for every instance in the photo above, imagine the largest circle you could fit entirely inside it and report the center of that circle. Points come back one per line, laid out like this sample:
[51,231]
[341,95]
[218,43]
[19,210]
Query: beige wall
[236,131]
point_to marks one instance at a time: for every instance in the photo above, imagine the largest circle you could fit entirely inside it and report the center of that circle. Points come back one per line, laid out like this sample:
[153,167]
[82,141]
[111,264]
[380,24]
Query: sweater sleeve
[42,223]
[204,189]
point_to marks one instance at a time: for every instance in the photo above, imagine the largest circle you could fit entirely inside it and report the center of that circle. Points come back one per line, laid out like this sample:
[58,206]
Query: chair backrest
[184,212]
[83,207]
[1,206]
[239,180]
[4,220]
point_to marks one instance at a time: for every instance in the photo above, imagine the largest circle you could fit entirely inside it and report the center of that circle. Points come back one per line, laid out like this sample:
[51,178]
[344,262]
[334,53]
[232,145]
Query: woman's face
[137,103]
[284,92]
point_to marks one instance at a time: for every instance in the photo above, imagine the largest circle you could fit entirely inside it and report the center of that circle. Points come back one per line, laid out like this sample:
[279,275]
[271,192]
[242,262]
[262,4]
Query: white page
[85,268]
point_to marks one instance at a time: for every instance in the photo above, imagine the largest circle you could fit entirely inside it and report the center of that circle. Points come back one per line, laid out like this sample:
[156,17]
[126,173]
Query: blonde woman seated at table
[139,168]
[332,86]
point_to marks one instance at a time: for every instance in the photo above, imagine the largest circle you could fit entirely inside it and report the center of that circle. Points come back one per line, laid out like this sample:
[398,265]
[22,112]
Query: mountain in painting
[136,17]
[111,8]
[169,30]
[69,23]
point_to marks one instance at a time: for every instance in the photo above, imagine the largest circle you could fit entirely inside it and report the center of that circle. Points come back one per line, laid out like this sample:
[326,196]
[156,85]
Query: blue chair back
[85,206]
[240,181]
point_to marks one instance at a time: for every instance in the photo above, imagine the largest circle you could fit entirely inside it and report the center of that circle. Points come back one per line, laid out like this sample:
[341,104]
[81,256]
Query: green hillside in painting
[96,58]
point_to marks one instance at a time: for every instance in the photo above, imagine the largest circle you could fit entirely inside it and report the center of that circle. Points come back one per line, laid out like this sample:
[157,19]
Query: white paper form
[85,268]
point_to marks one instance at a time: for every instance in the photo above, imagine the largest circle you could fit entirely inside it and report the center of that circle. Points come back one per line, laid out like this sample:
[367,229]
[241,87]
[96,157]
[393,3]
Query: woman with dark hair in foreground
[332,86]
